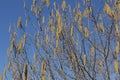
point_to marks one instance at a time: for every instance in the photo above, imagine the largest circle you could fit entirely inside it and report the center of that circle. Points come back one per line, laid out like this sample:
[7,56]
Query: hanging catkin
[117,47]
[19,22]
[86,32]
[25,71]
[116,66]
[43,70]
[80,25]
[108,10]
[54,53]
[117,29]
[84,59]
[63,5]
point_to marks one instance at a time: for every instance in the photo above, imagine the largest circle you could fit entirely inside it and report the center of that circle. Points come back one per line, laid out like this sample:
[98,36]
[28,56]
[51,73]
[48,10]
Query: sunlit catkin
[24,38]
[92,51]
[117,47]
[57,34]
[53,30]
[34,2]
[80,25]
[35,56]
[43,70]
[47,39]
[20,46]
[37,42]
[108,10]
[50,23]
[59,24]
[47,3]
[86,32]
[102,27]
[25,71]
[57,43]
[57,13]
[84,59]
[72,31]
[11,46]
[72,57]
[63,5]
[54,53]
[86,13]
[19,22]
[101,65]
[9,66]
[116,66]
[117,29]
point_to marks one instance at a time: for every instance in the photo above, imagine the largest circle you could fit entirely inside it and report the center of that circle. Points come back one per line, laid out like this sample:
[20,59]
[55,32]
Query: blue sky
[10,10]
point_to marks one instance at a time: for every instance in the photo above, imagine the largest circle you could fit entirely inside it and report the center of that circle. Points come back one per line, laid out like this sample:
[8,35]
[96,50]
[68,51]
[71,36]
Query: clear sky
[10,10]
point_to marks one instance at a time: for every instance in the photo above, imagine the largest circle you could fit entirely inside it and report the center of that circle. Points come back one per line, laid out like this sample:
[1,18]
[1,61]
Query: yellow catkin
[116,28]
[116,66]
[25,71]
[47,3]
[92,51]
[11,46]
[50,23]
[43,70]
[107,9]
[24,37]
[79,14]
[37,42]
[86,32]
[72,60]
[33,68]
[80,25]
[86,13]
[15,34]
[34,2]
[102,27]
[9,66]
[19,22]
[72,31]
[84,59]
[57,13]
[90,9]
[59,24]
[76,42]
[117,47]
[20,45]
[53,29]
[35,56]
[57,43]
[54,53]
[57,34]
[63,5]
[47,39]
[72,57]
[100,65]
